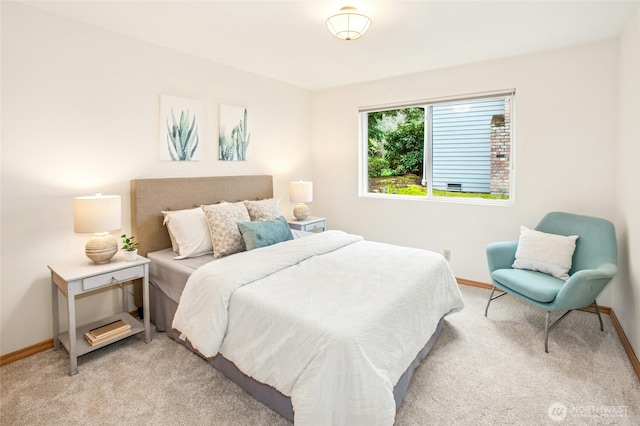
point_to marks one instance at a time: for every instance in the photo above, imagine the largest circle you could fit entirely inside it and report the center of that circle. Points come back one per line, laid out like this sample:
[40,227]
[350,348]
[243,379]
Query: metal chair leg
[599,317]
[548,327]
[489,301]
[491,297]
[546,333]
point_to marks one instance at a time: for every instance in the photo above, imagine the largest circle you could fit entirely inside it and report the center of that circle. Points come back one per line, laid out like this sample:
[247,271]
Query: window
[447,148]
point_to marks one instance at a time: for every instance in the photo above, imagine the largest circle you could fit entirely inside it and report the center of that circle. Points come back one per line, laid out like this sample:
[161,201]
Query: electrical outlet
[447,254]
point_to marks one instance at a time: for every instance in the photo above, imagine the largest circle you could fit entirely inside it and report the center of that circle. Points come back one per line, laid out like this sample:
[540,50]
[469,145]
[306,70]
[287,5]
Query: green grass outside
[411,185]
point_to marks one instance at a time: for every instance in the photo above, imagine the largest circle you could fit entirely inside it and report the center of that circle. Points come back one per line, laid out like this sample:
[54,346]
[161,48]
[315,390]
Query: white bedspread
[330,320]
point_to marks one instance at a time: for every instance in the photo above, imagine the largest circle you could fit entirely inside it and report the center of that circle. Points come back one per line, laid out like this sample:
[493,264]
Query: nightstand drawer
[113,277]
[316,225]
[310,224]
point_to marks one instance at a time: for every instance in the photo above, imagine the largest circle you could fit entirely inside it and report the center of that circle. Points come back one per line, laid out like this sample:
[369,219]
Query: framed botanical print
[180,120]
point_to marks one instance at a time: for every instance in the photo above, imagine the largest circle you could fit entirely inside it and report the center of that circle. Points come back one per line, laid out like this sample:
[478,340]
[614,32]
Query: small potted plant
[130,248]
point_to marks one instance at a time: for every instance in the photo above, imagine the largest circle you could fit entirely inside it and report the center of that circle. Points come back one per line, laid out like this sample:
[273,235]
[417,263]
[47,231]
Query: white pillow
[189,232]
[548,253]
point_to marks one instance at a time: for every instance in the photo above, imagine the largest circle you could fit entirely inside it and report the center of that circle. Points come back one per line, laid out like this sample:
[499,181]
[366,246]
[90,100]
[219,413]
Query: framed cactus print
[234,133]
[180,120]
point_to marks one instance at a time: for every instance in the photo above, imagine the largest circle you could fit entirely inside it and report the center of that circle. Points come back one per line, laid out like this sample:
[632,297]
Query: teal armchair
[594,264]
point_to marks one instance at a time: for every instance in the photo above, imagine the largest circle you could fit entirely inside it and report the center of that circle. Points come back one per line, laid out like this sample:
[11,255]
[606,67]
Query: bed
[318,348]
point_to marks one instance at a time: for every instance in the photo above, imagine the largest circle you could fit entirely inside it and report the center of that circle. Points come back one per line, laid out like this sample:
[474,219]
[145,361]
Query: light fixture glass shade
[348,23]
[98,214]
[300,193]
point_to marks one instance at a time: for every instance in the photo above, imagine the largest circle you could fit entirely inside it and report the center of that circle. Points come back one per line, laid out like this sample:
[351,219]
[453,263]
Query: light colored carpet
[481,371]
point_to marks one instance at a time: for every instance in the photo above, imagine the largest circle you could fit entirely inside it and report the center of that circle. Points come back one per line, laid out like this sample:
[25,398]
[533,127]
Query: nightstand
[312,224]
[80,277]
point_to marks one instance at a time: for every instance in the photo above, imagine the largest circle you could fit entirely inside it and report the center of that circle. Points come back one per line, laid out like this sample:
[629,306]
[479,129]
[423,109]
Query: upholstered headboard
[149,197]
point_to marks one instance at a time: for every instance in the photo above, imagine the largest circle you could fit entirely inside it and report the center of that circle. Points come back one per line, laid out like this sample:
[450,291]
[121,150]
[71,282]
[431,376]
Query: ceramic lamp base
[301,211]
[101,248]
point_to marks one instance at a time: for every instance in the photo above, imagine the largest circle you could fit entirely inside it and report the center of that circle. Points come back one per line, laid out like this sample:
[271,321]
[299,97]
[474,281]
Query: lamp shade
[97,213]
[301,192]
[348,23]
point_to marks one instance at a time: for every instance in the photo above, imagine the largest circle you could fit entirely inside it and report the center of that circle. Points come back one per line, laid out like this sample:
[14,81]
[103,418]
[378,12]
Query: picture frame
[180,128]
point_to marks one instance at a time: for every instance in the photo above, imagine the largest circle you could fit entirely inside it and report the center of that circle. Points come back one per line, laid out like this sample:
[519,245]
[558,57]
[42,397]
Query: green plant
[128,243]
[377,166]
[236,148]
[226,148]
[241,138]
[404,147]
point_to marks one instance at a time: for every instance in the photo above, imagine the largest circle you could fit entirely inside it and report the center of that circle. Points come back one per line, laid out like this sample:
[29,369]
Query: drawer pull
[112,278]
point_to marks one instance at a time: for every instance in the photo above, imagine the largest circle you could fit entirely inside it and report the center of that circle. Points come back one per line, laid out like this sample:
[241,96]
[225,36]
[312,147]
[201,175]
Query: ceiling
[288,40]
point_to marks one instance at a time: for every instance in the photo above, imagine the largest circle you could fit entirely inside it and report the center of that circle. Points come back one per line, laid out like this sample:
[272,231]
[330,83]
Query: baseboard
[23,353]
[34,349]
[625,342]
[474,283]
[603,309]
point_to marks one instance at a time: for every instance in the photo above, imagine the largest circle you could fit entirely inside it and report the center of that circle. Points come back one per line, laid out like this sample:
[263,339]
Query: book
[110,328]
[94,341]
[115,332]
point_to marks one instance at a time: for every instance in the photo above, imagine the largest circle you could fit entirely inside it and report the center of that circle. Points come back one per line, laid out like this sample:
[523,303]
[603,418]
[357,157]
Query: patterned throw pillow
[264,209]
[222,220]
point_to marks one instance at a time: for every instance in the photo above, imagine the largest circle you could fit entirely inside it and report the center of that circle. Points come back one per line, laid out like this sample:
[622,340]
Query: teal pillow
[264,233]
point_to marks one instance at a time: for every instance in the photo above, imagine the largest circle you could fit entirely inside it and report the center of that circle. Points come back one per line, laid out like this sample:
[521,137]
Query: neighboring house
[466,128]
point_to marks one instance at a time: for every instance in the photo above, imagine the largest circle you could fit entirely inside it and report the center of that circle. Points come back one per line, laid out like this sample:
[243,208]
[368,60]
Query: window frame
[363,153]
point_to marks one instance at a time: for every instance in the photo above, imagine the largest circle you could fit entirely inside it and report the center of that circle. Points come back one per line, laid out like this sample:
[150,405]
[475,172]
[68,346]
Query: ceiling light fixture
[348,23]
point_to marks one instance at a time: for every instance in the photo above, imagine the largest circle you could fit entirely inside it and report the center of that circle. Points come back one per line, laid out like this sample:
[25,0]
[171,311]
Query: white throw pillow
[189,232]
[543,252]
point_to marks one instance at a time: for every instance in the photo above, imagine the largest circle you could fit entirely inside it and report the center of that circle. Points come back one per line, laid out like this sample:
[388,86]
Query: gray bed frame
[149,197]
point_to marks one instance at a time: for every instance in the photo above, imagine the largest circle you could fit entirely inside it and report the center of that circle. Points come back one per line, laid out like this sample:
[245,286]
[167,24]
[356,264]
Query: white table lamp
[98,215]
[301,193]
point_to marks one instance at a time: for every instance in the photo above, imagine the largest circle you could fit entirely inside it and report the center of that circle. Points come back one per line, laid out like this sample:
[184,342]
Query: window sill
[453,200]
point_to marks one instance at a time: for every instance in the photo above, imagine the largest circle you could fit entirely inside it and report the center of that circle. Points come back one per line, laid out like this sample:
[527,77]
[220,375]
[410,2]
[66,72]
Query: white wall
[626,295]
[565,152]
[577,150]
[80,114]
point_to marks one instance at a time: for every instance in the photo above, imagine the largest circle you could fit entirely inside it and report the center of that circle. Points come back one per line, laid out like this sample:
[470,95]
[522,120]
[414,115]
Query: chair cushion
[534,285]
